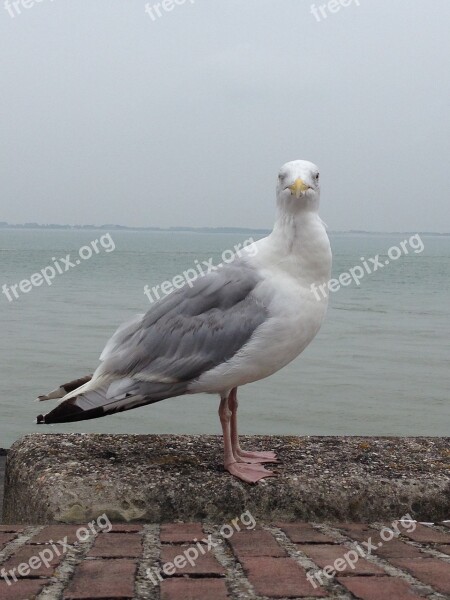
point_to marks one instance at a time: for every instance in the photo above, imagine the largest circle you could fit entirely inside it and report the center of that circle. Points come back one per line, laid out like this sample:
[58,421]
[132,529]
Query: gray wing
[190,331]
[156,355]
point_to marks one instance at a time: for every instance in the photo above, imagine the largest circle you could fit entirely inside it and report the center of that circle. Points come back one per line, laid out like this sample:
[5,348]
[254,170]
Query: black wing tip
[69,412]
[63,413]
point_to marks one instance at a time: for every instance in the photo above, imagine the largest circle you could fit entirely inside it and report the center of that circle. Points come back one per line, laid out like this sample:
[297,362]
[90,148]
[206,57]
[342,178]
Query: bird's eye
[317,176]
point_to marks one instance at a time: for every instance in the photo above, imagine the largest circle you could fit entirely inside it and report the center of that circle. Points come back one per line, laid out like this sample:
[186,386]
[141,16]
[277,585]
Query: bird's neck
[293,228]
[300,242]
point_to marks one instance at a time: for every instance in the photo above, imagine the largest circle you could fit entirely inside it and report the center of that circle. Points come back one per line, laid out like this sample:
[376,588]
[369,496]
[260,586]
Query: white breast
[295,313]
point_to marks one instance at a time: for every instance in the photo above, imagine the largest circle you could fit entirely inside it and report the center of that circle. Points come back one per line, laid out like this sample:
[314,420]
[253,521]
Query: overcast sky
[109,116]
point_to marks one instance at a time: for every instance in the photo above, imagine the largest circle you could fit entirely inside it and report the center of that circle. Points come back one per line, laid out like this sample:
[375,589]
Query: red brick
[102,579]
[304,533]
[204,564]
[125,528]
[360,532]
[398,549]
[364,534]
[379,588]
[255,543]
[56,533]
[279,577]
[117,545]
[10,529]
[181,588]
[25,553]
[177,533]
[25,589]
[386,548]
[425,534]
[5,538]
[431,571]
[324,555]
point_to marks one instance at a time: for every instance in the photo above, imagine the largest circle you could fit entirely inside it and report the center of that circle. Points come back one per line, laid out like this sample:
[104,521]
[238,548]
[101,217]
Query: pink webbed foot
[257,457]
[250,473]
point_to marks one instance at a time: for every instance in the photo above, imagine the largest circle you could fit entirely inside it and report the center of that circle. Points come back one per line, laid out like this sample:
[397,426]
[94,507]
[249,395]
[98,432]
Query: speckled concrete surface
[74,477]
[2,480]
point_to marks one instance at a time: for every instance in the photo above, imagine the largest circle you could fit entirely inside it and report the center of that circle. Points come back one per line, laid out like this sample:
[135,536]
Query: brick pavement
[196,561]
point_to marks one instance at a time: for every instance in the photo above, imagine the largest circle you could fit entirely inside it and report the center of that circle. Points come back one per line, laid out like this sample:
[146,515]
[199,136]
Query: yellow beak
[298,187]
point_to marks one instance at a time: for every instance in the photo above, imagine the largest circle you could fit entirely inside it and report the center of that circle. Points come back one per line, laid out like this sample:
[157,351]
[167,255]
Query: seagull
[237,324]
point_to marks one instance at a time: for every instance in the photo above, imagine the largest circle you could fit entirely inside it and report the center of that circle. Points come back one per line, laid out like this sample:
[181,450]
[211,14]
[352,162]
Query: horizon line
[180,228]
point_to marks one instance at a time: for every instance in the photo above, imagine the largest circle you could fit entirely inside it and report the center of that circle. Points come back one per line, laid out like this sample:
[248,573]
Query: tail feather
[99,402]
[65,389]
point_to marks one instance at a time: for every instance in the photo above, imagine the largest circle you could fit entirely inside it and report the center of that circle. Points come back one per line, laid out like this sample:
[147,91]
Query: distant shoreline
[113,227]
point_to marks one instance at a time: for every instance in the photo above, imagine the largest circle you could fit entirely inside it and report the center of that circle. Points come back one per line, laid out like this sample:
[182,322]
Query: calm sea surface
[379,366]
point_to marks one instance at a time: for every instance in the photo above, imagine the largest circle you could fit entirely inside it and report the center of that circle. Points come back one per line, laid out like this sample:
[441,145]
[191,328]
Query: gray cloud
[108,116]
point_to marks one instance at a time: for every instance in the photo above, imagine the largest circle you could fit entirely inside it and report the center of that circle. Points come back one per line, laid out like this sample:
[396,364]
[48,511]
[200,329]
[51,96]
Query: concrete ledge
[2,481]
[73,478]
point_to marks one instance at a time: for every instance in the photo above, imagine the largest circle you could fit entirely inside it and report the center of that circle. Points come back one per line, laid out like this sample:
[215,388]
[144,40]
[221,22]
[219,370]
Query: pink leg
[239,454]
[246,472]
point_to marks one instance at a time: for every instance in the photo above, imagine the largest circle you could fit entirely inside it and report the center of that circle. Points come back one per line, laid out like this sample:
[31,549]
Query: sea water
[379,365]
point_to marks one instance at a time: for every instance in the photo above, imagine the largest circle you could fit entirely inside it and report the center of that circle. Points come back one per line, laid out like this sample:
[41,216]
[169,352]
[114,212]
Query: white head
[298,186]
